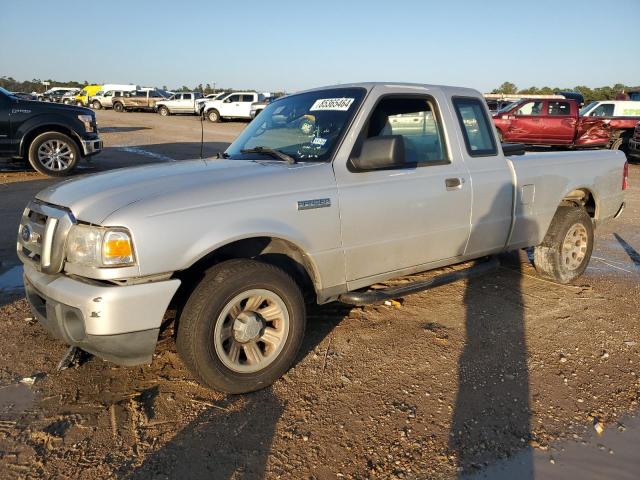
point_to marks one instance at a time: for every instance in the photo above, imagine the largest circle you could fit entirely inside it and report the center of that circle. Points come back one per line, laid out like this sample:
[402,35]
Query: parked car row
[123,98]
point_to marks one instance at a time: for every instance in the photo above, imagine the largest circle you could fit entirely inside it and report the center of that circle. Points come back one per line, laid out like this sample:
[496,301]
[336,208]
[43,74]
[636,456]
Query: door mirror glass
[380,153]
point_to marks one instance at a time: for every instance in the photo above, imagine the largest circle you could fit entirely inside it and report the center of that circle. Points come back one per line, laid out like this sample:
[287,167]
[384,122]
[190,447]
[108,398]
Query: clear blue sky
[274,45]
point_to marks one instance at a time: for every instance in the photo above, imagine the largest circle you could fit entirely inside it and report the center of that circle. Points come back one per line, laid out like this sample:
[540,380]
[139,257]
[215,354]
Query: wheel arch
[36,130]
[582,197]
[274,250]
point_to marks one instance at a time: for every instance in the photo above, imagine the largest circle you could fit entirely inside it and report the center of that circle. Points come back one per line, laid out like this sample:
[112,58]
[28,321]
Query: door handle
[454,183]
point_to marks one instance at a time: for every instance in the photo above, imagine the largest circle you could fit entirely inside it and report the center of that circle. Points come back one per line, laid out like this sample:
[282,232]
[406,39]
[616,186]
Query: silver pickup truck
[325,193]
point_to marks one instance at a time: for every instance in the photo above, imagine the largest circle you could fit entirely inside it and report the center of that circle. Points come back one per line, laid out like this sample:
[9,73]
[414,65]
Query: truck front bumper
[91,147]
[118,323]
[634,148]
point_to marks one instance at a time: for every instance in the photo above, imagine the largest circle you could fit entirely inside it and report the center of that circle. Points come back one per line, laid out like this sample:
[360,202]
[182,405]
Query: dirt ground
[446,384]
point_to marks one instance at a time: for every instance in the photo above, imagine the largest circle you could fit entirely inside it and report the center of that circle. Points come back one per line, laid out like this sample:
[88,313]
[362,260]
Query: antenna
[202,132]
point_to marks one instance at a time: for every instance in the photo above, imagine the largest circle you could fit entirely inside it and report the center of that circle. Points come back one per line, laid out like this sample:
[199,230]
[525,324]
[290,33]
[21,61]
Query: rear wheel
[242,326]
[53,154]
[213,116]
[566,249]
[118,107]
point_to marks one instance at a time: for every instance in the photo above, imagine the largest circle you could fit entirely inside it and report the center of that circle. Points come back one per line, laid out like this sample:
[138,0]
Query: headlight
[88,122]
[99,246]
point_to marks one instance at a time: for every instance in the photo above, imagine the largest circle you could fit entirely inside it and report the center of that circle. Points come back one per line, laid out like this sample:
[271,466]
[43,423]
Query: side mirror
[379,153]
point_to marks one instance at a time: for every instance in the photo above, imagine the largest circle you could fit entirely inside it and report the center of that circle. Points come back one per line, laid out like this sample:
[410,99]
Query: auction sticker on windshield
[341,104]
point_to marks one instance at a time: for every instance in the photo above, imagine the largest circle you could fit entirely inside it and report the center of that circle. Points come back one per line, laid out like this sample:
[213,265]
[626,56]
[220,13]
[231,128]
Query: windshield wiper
[271,151]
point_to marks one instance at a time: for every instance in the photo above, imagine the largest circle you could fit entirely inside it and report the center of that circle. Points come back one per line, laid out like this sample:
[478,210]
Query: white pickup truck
[232,105]
[391,179]
[182,102]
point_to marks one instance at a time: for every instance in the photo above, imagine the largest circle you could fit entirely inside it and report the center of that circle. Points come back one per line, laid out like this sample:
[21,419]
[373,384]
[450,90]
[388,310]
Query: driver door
[527,124]
[5,124]
[230,106]
[404,218]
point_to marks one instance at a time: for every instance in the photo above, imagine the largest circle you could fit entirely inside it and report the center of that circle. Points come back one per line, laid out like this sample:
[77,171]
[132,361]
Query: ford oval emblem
[26,233]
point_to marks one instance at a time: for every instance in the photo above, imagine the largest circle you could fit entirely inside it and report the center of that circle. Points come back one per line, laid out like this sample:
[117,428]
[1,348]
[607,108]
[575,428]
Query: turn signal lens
[117,248]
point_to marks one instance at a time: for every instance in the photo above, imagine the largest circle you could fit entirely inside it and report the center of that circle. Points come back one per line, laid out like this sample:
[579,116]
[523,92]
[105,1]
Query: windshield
[507,107]
[307,126]
[584,110]
[6,92]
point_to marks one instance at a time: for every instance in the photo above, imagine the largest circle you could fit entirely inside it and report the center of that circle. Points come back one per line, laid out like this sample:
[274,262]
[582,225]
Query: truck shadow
[219,444]
[122,129]
[491,417]
[235,441]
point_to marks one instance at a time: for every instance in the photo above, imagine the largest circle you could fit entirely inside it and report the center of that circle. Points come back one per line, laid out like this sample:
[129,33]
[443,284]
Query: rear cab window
[476,128]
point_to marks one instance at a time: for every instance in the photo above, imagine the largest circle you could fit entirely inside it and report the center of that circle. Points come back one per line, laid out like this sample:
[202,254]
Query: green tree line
[35,85]
[590,94]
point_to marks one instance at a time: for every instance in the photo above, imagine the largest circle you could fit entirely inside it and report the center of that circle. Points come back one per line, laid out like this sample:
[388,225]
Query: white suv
[104,99]
[231,105]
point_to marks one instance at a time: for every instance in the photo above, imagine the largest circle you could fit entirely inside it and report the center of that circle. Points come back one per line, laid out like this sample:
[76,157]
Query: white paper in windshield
[341,104]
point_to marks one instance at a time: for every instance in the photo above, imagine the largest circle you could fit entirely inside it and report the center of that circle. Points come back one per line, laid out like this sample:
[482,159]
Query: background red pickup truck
[557,122]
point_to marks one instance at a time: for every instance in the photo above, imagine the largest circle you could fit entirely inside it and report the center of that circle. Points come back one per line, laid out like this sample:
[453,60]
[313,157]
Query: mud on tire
[566,249]
[242,326]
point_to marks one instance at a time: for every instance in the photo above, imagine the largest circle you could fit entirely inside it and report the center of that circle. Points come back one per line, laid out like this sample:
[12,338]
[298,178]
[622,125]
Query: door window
[247,98]
[416,121]
[475,126]
[186,96]
[530,108]
[603,110]
[559,108]
[233,98]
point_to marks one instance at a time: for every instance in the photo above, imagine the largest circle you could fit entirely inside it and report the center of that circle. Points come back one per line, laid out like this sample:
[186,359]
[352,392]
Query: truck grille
[42,234]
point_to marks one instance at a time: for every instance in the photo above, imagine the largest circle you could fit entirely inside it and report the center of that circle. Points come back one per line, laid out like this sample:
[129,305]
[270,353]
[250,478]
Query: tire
[213,116]
[53,154]
[96,105]
[118,107]
[164,111]
[209,338]
[566,249]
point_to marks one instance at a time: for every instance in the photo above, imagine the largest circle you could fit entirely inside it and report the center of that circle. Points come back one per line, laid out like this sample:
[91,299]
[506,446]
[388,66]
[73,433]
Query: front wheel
[242,326]
[213,116]
[53,154]
[566,249]
[96,105]
[164,111]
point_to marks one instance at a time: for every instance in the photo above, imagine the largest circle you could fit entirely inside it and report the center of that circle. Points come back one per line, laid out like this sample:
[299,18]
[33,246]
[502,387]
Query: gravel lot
[449,383]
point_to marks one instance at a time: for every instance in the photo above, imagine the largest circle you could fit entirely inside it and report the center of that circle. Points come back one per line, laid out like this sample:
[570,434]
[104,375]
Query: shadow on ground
[233,440]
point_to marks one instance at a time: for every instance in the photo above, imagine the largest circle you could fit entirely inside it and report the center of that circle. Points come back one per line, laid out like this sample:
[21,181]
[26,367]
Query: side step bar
[365,297]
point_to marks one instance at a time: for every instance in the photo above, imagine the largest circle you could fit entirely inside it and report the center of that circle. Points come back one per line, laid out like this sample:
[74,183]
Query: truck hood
[42,107]
[93,198]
